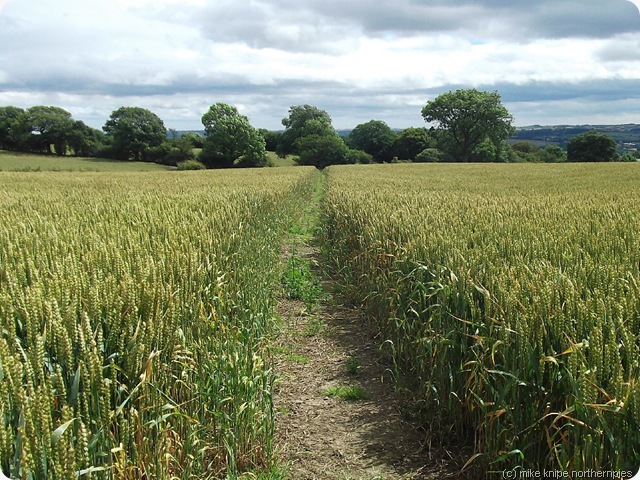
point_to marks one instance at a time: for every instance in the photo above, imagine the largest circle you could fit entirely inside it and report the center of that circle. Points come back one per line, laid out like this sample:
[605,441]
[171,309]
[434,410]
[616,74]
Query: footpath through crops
[510,294]
[137,316]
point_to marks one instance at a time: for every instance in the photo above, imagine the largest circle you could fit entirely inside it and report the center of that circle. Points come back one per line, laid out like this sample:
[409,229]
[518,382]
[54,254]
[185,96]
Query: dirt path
[322,436]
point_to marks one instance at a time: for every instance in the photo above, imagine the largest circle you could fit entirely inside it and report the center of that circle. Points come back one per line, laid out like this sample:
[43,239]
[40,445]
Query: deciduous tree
[48,129]
[133,131]
[553,154]
[271,139]
[322,150]
[467,118]
[9,127]
[310,135]
[411,141]
[303,120]
[429,155]
[374,137]
[230,139]
[592,146]
[196,140]
[84,140]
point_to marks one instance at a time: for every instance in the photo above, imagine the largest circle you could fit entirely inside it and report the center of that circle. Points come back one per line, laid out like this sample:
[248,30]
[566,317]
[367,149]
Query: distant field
[288,161]
[15,162]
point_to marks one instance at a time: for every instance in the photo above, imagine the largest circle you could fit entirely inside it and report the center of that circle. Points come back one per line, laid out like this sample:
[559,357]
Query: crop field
[509,295]
[135,313]
[22,162]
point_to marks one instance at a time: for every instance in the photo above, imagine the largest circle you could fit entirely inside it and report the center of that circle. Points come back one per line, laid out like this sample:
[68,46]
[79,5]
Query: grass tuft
[347,392]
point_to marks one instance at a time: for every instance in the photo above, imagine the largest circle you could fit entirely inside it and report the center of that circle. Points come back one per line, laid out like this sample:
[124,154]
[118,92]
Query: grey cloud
[349,96]
[622,50]
[562,102]
[182,103]
[293,28]
[74,83]
[593,19]
[318,22]
[58,59]
[527,20]
[591,90]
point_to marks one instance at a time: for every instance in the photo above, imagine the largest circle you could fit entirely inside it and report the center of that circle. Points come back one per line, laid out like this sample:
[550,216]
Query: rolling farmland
[24,162]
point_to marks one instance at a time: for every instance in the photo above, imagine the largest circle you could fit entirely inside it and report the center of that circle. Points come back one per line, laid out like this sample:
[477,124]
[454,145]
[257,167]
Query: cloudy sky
[553,61]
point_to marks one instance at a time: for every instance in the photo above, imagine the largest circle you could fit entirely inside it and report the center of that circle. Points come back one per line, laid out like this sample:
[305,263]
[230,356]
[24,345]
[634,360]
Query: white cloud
[359,60]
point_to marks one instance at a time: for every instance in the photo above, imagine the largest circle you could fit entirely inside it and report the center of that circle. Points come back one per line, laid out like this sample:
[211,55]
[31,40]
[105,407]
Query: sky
[552,61]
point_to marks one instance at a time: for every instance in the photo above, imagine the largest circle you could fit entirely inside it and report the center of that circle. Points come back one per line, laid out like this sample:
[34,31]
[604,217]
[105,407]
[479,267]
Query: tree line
[464,126]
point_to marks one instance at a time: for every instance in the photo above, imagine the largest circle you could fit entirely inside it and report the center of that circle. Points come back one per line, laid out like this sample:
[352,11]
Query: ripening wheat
[134,313]
[511,293]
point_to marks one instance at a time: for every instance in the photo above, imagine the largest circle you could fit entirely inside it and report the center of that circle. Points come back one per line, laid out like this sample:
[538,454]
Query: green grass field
[21,162]
[276,161]
[24,162]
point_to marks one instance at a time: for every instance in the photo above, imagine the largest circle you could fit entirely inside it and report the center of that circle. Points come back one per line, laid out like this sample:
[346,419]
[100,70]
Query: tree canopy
[310,135]
[303,120]
[271,139]
[322,150]
[374,137]
[592,146]
[9,127]
[411,141]
[467,120]
[133,131]
[230,139]
[429,155]
[467,126]
[45,128]
[84,140]
[552,154]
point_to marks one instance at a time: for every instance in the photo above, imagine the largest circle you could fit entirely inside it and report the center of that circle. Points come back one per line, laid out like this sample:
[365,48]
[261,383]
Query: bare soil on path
[319,436]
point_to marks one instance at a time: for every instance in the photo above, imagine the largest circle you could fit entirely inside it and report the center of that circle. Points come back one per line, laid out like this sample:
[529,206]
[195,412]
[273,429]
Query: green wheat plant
[135,316]
[510,294]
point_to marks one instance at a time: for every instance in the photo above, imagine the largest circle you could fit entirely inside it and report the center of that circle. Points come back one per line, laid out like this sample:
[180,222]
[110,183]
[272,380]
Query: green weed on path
[300,282]
[346,392]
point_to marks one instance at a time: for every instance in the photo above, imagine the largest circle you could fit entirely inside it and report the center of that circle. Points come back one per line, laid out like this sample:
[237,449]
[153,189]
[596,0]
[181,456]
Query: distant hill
[179,133]
[627,136]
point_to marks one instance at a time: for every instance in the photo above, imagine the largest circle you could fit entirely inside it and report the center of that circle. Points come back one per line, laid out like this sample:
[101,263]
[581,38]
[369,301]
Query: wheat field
[135,313]
[509,296]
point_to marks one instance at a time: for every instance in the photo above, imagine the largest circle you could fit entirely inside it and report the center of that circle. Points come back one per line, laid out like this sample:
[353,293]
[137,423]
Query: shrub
[191,165]
[358,156]
[429,155]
